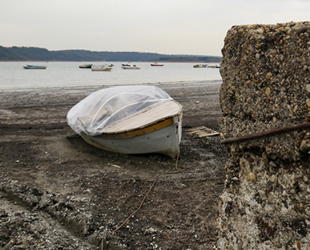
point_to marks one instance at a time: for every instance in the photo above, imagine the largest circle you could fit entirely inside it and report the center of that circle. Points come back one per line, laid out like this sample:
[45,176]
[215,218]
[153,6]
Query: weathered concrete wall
[266,86]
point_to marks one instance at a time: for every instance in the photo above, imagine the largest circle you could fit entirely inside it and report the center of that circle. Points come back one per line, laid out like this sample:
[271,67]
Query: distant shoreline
[150,61]
[41,54]
[164,85]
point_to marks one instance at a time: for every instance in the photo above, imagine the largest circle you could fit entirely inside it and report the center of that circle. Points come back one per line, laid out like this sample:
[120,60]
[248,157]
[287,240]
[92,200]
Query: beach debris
[114,165]
[202,131]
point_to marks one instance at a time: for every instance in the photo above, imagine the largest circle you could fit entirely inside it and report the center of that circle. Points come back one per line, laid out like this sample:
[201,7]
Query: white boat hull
[102,69]
[34,67]
[138,119]
[130,67]
[163,141]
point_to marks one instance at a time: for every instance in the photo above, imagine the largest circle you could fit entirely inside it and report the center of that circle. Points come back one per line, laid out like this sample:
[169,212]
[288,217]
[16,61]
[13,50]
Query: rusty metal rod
[266,133]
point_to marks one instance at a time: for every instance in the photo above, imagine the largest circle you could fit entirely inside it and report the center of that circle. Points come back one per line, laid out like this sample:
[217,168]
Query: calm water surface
[68,74]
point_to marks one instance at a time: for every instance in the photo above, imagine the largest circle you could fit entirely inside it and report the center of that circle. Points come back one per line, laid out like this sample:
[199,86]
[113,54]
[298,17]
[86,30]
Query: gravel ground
[58,192]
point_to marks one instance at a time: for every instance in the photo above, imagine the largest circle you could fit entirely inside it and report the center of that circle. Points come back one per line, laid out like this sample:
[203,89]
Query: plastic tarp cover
[105,107]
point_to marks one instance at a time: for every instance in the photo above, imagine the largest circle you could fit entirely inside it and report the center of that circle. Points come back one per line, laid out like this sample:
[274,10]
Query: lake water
[68,74]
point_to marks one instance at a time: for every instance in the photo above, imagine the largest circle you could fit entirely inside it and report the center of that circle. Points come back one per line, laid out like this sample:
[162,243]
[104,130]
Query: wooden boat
[129,120]
[34,67]
[85,66]
[101,68]
[156,64]
[130,66]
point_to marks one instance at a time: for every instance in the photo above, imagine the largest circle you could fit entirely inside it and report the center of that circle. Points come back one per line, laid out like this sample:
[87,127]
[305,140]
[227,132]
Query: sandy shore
[59,192]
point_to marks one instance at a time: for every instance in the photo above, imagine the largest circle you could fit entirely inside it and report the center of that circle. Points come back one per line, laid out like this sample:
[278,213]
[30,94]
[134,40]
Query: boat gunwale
[149,128]
[179,114]
[134,115]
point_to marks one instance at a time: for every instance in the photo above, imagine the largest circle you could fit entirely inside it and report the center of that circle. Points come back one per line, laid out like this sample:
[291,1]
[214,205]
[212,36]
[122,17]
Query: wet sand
[59,192]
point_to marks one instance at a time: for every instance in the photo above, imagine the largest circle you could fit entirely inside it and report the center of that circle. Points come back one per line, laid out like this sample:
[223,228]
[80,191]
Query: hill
[41,54]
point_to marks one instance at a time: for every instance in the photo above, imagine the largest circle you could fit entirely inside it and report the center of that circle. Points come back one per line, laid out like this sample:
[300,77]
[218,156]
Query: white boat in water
[126,64]
[85,66]
[101,68]
[130,66]
[34,67]
[200,66]
[129,120]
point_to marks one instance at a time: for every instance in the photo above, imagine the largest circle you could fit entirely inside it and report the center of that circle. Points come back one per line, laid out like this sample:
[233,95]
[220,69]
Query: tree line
[41,54]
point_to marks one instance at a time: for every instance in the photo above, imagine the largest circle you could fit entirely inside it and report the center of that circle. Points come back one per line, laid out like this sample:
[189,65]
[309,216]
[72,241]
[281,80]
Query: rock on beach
[265,71]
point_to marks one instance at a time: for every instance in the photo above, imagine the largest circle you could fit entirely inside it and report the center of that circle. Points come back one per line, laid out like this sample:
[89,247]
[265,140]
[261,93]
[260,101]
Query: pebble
[273,178]
[251,177]
[271,163]
[268,75]
[260,30]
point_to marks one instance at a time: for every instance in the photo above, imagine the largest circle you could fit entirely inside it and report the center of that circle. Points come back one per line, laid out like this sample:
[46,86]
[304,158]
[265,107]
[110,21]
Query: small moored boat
[34,67]
[85,66]
[101,68]
[129,120]
[214,66]
[130,66]
[126,64]
[200,66]
[156,64]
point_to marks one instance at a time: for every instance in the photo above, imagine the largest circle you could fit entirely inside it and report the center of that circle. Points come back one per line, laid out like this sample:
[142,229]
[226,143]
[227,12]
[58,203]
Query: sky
[191,27]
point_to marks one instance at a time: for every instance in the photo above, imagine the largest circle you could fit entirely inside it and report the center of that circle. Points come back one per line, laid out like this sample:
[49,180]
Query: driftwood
[202,131]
